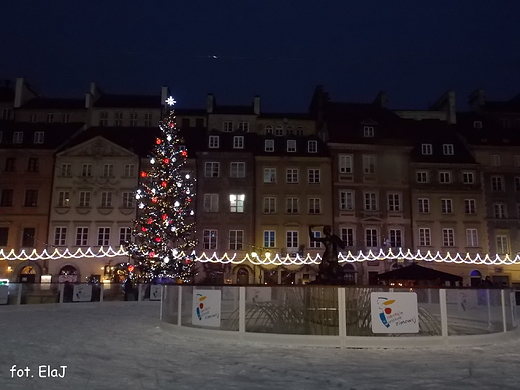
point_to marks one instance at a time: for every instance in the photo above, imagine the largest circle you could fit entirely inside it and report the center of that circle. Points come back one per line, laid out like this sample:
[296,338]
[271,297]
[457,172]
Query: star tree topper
[170,101]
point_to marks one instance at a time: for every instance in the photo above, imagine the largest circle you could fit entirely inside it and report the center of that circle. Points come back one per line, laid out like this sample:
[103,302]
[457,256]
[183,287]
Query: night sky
[279,49]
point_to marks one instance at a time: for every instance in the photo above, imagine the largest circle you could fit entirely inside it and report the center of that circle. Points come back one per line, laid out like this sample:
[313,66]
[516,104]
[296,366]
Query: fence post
[101,291]
[179,306]
[503,301]
[444,314]
[242,311]
[19,296]
[62,291]
[342,316]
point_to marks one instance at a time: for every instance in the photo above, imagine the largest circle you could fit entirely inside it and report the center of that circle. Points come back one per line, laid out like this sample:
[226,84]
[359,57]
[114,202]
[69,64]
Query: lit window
[236,202]
[269,175]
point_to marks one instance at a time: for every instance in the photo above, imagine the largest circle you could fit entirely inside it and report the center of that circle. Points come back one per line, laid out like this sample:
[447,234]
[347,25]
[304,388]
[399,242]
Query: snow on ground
[119,345]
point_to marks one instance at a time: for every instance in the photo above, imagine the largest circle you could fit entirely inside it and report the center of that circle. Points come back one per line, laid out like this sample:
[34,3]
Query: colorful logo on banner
[394,312]
[82,293]
[206,307]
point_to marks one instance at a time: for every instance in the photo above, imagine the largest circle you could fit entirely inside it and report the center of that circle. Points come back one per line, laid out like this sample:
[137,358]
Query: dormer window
[49,118]
[238,142]
[17,137]
[447,149]
[38,137]
[426,149]
[291,145]
[243,126]
[299,130]
[269,145]
[312,146]
[278,131]
[214,141]
[269,130]
[368,131]
[477,125]
[227,126]
[290,130]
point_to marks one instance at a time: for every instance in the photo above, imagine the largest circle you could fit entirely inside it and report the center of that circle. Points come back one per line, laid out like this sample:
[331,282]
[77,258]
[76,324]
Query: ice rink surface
[120,345]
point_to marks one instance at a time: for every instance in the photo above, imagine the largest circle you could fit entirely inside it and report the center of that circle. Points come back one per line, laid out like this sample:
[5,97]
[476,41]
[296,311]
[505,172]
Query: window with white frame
[84,199]
[292,205]
[371,201]
[291,239]
[38,137]
[394,202]
[86,170]
[289,130]
[424,205]
[444,177]
[291,145]
[502,242]
[133,119]
[347,236]
[396,238]
[269,205]
[269,175]
[368,131]
[211,169]
[125,235]
[312,146]
[129,170]
[299,130]
[497,183]
[269,145]
[227,126]
[471,237]
[211,203]
[314,176]
[214,142]
[278,131]
[291,175]
[369,164]
[148,119]
[118,116]
[447,149]
[238,142]
[499,210]
[82,236]
[108,170]
[448,237]
[209,239]
[103,236]
[446,206]
[314,205]
[63,199]
[128,200]
[60,236]
[470,206]
[269,129]
[426,149]
[236,203]
[468,177]
[49,118]
[236,239]
[243,126]
[106,199]
[345,163]
[315,244]
[269,238]
[346,200]
[66,170]
[17,137]
[425,237]
[422,176]
[103,118]
[238,170]
[371,238]
[495,160]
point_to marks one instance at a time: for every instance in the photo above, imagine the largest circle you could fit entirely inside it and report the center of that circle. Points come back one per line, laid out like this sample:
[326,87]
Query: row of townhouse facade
[432,180]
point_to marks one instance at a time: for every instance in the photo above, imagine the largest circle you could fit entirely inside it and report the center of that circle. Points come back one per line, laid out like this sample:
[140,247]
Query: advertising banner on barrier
[394,312]
[155,292]
[206,307]
[82,293]
[4,294]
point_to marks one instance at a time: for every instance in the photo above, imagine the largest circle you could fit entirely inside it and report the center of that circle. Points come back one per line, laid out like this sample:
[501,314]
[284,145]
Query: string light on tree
[165,195]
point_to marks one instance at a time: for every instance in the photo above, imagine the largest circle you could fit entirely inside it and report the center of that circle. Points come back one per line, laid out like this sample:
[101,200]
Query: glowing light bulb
[141,205]
[187,176]
[152,160]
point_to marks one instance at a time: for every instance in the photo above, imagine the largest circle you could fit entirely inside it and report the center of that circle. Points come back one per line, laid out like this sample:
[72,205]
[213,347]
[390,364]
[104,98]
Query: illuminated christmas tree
[164,200]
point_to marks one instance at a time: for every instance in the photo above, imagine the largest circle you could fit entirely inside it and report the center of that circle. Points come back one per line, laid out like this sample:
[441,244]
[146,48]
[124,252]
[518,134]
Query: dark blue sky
[279,49]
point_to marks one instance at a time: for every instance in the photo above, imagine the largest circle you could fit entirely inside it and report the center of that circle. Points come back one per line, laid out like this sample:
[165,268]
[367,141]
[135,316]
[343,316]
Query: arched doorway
[475,278]
[243,276]
[69,274]
[27,274]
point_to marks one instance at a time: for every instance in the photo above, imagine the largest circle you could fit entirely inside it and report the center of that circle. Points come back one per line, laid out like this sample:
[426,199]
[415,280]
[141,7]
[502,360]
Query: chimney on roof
[446,103]
[210,103]
[22,92]
[381,99]
[165,93]
[256,105]
[477,99]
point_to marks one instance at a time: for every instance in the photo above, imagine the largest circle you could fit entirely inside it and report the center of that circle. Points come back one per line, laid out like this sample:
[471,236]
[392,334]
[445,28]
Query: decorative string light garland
[275,259]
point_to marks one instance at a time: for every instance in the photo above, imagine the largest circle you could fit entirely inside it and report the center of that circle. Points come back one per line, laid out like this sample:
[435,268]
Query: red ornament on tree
[171,125]
[158,141]
[143,229]
[164,216]
[166,160]
[150,220]
[154,200]
[158,239]
[143,174]
[164,184]
[184,153]
[152,254]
